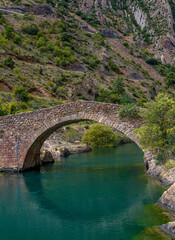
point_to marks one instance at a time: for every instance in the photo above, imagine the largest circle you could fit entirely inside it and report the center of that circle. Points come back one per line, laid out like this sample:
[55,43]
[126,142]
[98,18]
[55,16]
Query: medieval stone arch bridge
[22,135]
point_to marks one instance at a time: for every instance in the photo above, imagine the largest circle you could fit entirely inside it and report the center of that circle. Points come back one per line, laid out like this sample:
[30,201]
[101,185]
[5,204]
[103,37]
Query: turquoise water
[102,195]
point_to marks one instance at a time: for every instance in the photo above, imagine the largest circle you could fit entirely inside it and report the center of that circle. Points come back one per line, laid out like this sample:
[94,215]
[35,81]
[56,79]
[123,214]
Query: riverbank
[165,174]
[67,141]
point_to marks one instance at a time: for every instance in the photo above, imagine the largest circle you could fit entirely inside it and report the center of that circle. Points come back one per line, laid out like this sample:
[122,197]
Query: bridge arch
[22,135]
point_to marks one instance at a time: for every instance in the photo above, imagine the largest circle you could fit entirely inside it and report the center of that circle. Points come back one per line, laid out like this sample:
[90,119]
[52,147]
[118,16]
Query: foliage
[114,67]
[65,37]
[71,135]
[122,139]
[100,136]
[31,29]
[152,61]
[21,93]
[3,111]
[129,111]
[118,86]
[9,62]
[158,131]
[170,79]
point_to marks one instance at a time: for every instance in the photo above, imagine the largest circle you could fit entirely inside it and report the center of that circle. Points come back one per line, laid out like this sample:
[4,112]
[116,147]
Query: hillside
[111,51]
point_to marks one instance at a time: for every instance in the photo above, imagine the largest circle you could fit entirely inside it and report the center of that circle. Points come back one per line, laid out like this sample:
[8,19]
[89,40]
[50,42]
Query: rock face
[109,34]
[36,9]
[64,149]
[168,198]
[64,152]
[169,228]
[165,177]
[48,158]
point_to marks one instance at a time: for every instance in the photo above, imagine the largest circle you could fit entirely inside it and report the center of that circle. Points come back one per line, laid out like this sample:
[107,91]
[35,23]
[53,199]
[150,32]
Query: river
[101,195]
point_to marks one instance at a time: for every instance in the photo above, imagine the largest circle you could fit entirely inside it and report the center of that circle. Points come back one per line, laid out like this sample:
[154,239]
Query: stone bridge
[22,135]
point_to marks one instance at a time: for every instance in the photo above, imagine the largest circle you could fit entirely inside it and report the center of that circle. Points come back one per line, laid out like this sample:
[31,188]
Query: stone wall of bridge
[22,135]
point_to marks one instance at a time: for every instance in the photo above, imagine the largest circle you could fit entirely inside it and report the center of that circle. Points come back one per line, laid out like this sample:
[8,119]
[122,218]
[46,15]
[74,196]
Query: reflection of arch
[26,132]
[49,182]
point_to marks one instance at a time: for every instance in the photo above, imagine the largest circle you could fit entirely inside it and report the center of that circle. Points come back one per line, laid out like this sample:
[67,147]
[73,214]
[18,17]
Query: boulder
[48,158]
[64,152]
[169,228]
[109,34]
[168,198]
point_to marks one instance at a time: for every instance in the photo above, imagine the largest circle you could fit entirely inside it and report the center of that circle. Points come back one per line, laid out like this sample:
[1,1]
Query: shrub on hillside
[31,29]
[152,61]
[8,62]
[20,93]
[114,67]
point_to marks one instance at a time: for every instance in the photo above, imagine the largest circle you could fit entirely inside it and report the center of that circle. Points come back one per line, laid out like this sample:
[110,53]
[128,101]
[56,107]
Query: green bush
[118,86]
[129,111]
[65,37]
[100,136]
[9,31]
[20,93]
[158,132]
[170,79]
[3,111]
[114,67]
[71,135]
[9,62]
[31,29]
[152,61]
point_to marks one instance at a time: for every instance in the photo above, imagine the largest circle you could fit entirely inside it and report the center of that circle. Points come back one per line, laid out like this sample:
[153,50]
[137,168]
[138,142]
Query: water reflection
[101,195]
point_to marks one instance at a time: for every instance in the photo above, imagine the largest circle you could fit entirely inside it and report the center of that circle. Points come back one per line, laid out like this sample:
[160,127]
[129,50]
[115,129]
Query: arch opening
[32,158]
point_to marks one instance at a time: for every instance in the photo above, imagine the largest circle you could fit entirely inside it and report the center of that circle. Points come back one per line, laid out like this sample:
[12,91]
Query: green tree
[21,94]
[114,67]
[170,79]
[65,37]
[9,62]
[118,86]
[158,130]
[31,29]
[100,136]
[3,111]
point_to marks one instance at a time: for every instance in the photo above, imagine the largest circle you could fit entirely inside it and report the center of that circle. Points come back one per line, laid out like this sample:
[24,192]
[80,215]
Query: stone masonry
[22,135]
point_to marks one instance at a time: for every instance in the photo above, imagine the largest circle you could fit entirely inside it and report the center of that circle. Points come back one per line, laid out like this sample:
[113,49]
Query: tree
[65,37]
[100,136]
[9,62]
[31,29]
[3,110]
[114,67]
[20,93]
[118,86]
[158,130]
[152,61]
[170,79]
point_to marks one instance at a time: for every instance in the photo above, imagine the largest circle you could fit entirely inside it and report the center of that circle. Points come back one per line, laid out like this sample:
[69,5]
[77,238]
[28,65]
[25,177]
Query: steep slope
[95,50]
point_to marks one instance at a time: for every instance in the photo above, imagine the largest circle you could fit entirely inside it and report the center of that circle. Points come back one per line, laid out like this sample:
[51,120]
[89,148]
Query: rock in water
[48,158]
[64,152]
[168,198]
[169,228]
